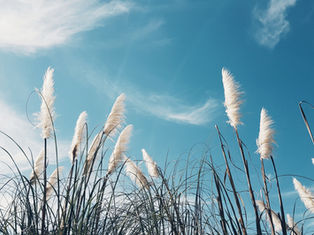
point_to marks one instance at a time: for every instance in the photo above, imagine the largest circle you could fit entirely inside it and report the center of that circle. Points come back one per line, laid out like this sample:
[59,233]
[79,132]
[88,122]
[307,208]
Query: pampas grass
[266,135]
[135,174]
[116,116]
[264,144]
[292,226]
[47,113]
[194,200]
[92,152]
[232,98]
[38,167]
[114,121]
[46,117]
[78,136]
[305,195]
[152,167]
[274,216]
[232,104]
[120,147]
[53,180]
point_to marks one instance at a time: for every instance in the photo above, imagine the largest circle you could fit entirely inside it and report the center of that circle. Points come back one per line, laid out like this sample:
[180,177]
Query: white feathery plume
[232,98]
[276,220]
[313,161]
[150,164]
[305,194]
[92,150]
[38,167]
[78,135]
[274,216]
[116,116]
[266,135]
[53,180]
[120,147]
[47,113]
[135,174]
[292,226]
[94,146]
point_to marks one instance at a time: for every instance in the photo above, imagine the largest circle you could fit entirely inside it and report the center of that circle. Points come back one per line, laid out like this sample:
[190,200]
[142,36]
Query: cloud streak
[172,109]
[162,106]
[27,26]
[273,24]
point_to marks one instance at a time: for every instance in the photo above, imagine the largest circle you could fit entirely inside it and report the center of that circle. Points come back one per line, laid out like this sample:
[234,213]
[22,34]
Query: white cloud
[172,109]
[194,114]
[163,106]
[16,125]
[273,22]
[29,25]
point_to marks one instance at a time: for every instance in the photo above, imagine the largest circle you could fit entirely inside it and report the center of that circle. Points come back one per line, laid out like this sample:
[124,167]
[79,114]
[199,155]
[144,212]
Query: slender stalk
[58,176]
[232,183]
[220,205]
[305,120]
[89,173]
[227,199]
[268,209]
[247,173]
[102,193]
[174,204]
[43,229]
[283,221]
[66,200]
[74,192]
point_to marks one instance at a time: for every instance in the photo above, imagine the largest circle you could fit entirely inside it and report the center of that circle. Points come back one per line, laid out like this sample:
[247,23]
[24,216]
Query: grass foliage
[197,197]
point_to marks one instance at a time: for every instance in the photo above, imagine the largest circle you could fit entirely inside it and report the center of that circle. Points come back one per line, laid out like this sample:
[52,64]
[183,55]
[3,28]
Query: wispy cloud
[26,26]
[163,106]
[272,22]
[173,109]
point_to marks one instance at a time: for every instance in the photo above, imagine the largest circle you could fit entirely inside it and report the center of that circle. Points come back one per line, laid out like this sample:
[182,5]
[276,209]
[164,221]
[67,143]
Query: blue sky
[166,56]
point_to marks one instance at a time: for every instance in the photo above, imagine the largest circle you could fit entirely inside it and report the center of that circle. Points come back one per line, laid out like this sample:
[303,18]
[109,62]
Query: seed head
[47,113]
[232,98]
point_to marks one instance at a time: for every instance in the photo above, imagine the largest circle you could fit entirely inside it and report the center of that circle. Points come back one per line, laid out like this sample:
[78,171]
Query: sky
[166,56]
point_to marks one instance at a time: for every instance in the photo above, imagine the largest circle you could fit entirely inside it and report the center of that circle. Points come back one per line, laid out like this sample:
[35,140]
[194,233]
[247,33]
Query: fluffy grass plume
[78,135]
[92,151]
[274,216]
[266,135]
[120,147]
[232,98]
[38,167]
[53,180]
[305,195]
[150,164]
[116,116]
[292,226]
[135,174]
[47,113]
